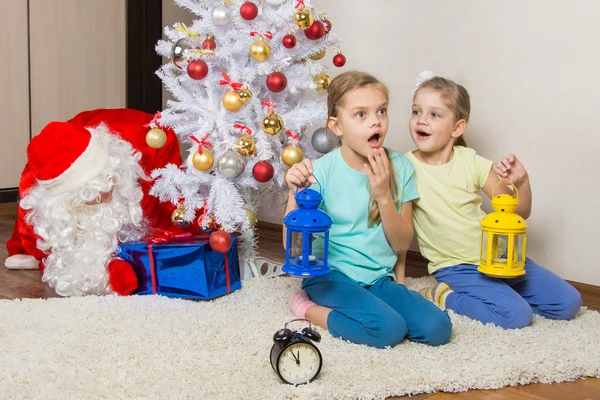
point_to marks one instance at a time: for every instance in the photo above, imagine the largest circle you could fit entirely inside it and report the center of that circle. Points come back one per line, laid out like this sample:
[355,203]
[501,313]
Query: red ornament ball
[315,31]
[289,41]
[276,82]
[248,11]
[327,25]
[197,69]
[263,171]
[339,60]
[220,241]
[209,44]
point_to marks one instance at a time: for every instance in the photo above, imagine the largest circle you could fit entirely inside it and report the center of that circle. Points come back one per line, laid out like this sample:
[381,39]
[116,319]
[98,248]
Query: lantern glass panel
[518,250]
[297,238]
[499,247]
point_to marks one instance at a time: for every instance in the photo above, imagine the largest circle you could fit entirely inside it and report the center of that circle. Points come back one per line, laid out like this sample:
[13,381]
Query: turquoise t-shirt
[361,253]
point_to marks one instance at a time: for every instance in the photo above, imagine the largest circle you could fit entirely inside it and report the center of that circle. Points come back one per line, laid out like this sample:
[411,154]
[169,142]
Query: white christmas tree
[246,84]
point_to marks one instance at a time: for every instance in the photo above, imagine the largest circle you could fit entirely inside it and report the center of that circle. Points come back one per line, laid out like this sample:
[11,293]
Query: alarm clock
[294,356]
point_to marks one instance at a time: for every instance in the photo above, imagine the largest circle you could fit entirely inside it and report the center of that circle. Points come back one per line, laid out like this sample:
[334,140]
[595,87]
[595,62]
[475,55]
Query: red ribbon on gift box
[160,237]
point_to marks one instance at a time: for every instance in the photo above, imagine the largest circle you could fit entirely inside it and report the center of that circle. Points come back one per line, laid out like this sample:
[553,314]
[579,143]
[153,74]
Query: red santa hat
[64,156]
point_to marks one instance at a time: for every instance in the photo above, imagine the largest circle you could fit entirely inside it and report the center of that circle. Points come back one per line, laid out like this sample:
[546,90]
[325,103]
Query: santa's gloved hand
[122,277]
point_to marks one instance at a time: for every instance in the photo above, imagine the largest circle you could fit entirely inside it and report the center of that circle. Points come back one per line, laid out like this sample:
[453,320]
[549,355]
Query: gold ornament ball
[205,222]
[304,18]
[251,217]
[232,101]
[204,161]
[272,124]
[292,155]
[322,80]
[246,145]
[245,95]
[260,50]
[178,215]
[156,138]
[318,55]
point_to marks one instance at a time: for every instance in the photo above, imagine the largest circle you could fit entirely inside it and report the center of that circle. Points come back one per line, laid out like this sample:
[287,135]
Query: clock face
[299,363]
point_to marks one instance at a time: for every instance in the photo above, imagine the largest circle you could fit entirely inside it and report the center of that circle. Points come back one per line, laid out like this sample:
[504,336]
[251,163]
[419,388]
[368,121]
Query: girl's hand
[511,168]
[378,171]
[300,175]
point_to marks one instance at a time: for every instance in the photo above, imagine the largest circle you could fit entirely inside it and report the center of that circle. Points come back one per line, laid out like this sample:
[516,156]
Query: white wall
[532,69]
[172,14]
[77,58]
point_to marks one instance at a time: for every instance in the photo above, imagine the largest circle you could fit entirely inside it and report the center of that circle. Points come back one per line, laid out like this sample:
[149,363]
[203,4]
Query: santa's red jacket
[132,126]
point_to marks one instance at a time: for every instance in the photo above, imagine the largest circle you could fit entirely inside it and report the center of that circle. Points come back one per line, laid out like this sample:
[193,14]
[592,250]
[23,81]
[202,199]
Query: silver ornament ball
[221,15]
[231,164]
[180,51]
[323,140]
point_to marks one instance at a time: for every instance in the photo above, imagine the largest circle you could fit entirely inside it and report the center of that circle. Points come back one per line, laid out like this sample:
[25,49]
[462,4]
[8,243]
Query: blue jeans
[509,303]
[379,315]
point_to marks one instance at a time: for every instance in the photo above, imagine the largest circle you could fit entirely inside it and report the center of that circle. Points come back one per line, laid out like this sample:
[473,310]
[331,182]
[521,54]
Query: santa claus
[83,191]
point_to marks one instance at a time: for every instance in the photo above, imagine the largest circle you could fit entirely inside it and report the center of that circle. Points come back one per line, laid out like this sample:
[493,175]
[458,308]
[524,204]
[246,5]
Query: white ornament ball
[221,15]
[231,164]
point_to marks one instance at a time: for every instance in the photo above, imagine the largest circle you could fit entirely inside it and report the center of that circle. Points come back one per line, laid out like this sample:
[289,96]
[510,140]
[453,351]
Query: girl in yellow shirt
[449,177]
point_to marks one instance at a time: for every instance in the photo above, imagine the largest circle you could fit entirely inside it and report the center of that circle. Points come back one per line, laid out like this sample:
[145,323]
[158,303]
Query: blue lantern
[306,221]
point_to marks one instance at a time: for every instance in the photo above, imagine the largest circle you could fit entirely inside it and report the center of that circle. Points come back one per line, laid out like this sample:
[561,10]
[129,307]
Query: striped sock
[437,294]
[299,303]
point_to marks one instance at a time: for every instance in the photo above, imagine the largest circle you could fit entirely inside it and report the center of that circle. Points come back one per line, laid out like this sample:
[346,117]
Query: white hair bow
[422,77]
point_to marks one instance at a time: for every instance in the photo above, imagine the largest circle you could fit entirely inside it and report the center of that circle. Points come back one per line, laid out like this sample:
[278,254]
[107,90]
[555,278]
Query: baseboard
[589,293]
[9,195]
[269,226]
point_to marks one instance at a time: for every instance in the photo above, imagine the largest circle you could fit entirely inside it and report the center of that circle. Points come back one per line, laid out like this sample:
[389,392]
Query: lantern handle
[319,183]
[320,186]
[502,180]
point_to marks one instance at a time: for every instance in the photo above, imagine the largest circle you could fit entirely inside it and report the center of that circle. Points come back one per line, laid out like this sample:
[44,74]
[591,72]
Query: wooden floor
[27,284]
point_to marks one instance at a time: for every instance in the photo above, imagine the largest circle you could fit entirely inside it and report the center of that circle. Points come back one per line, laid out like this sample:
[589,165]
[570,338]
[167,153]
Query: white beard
[81,239]
[79,267]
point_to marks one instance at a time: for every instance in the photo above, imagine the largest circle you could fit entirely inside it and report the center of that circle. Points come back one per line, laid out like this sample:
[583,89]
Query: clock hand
[295,358]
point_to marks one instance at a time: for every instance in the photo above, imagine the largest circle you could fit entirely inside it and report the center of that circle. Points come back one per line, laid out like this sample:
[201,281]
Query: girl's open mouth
[423,135]
[374,140]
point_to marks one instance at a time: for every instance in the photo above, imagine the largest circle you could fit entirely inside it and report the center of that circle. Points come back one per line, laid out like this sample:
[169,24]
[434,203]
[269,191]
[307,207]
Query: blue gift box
[184,268]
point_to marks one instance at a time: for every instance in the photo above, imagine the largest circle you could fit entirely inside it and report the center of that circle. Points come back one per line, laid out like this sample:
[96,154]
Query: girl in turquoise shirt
[368,193]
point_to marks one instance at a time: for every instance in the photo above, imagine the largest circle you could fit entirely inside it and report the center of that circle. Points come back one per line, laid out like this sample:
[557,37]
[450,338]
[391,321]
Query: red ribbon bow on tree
[299,4]
[202,142]
[267,34]
[268,104]
[227,81]
[294,136]
[243,128]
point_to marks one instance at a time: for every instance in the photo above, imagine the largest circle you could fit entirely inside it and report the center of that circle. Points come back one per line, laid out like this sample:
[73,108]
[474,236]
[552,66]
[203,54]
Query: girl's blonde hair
[455,96]
[340,86]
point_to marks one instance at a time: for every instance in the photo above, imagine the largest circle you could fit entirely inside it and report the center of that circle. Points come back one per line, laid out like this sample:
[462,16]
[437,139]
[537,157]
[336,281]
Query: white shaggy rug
[155,347]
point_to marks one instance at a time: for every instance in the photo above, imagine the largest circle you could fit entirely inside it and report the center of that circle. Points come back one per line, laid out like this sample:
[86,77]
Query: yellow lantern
[503,238]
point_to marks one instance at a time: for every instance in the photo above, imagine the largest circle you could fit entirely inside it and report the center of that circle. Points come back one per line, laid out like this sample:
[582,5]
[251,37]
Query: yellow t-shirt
[447,216]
